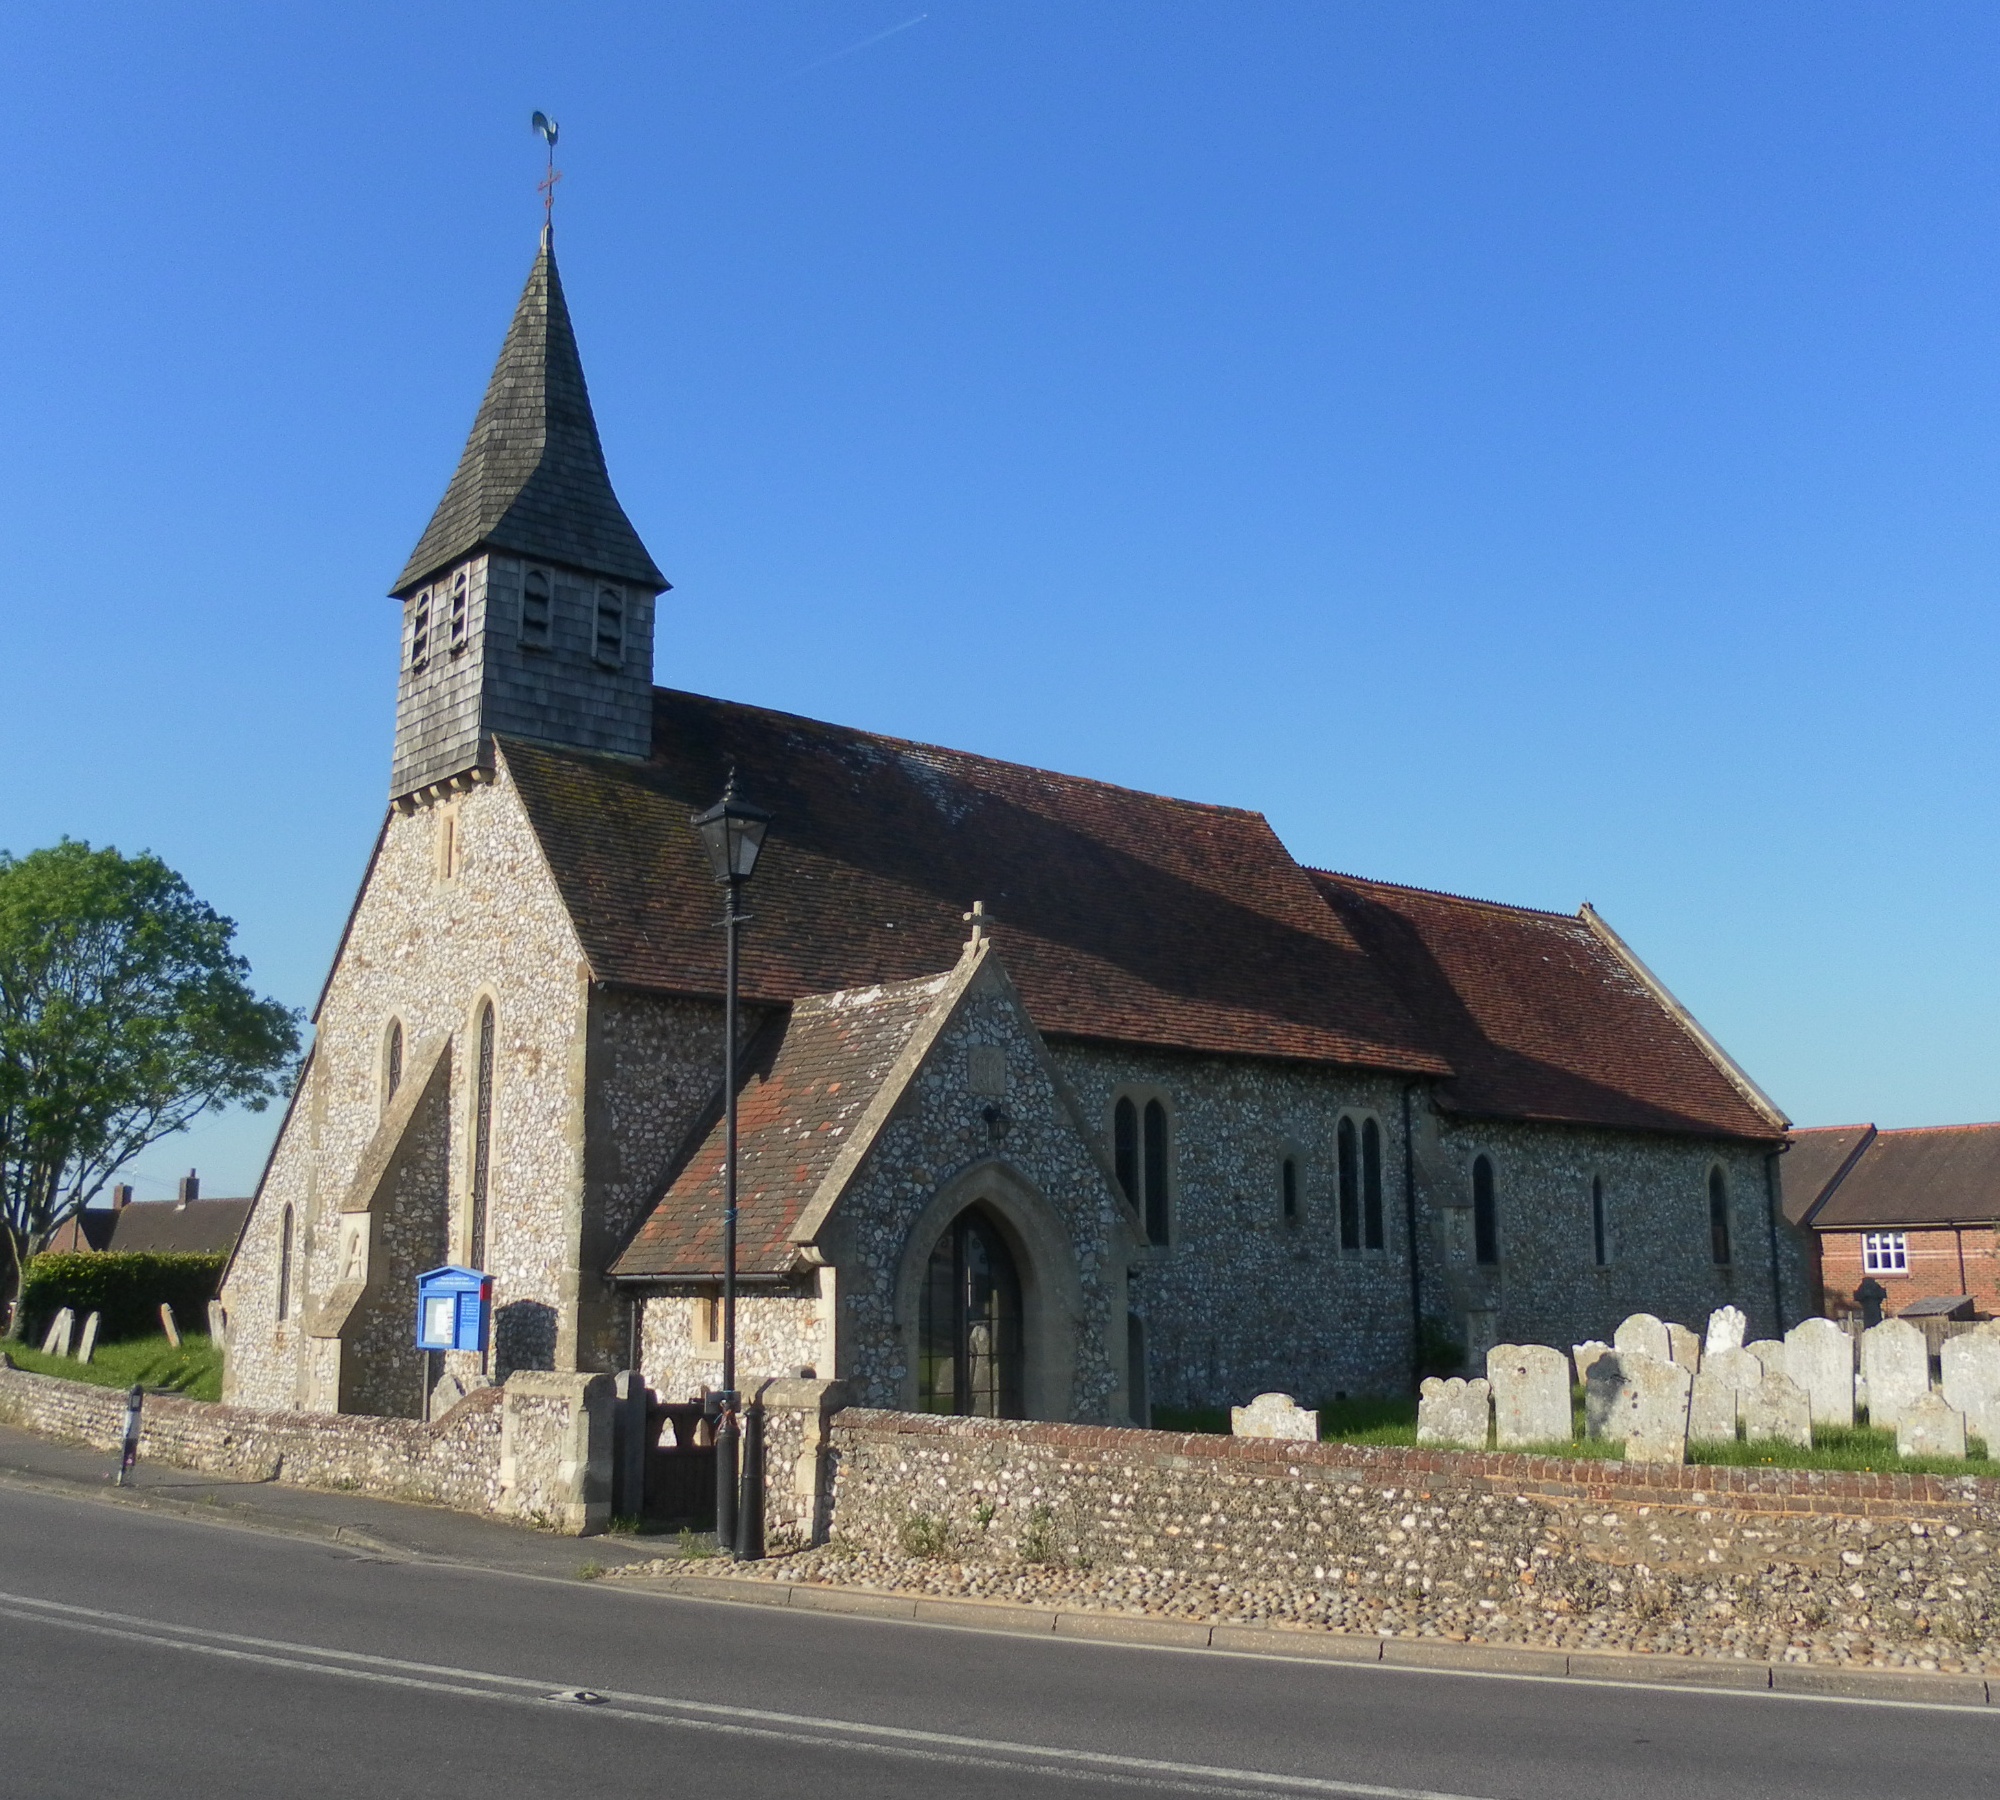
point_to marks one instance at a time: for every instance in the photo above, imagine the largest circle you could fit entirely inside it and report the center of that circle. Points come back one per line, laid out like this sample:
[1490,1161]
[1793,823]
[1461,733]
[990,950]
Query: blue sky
[1547,452]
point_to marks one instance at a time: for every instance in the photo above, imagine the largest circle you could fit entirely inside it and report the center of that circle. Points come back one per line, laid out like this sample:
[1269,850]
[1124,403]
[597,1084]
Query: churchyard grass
[195,1369]
[1367,1421]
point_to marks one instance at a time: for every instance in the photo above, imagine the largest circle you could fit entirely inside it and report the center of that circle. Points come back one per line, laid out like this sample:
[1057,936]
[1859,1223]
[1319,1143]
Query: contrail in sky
[855,49]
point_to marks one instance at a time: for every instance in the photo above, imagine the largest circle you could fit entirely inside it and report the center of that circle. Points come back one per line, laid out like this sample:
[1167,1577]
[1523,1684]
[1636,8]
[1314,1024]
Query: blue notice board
[454,1309]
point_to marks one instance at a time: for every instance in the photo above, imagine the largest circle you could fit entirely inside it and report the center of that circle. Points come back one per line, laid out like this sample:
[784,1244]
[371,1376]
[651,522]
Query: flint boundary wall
[1481,1546]
[537,1449]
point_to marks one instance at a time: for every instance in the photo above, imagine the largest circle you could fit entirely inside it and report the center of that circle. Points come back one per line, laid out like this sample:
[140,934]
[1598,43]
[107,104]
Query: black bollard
[750,1508]
[129,1450]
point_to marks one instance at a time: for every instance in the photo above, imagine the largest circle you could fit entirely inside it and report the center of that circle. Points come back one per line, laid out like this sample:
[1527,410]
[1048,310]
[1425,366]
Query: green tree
[124,1016]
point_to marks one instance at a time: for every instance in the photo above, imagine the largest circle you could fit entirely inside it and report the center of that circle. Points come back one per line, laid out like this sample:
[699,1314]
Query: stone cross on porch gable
[979,919]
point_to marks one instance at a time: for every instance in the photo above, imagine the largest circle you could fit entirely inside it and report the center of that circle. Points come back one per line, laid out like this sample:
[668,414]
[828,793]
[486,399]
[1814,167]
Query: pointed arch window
[970,1356]
[392,1062]
[285,1264]
[1288,1190]
[1347,1160]
[1718,1216]
[1600,1236]
[1371,1185]
[1485,1213]
[482,1132]
[1140,1150]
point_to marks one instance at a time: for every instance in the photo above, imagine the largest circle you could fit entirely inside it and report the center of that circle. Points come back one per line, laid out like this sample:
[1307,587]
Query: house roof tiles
[1924,1176]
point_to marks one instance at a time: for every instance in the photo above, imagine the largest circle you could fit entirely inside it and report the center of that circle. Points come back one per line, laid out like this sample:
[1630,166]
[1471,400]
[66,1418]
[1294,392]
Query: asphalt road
[143,1655]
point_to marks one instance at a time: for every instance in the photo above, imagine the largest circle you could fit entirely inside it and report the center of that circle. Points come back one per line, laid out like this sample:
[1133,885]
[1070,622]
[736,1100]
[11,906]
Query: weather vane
[545,128]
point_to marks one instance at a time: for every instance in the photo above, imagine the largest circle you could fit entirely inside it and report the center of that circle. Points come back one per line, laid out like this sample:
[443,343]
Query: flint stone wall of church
[1547,1287]
[427,951]
[1241,1303]
[776,1335]
[940,1134]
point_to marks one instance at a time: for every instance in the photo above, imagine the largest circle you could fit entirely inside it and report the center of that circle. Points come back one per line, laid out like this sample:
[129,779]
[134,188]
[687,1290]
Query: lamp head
[732,832]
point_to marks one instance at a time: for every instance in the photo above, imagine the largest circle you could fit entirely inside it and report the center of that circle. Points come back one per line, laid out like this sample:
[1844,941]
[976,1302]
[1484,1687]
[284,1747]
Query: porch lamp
[732,832]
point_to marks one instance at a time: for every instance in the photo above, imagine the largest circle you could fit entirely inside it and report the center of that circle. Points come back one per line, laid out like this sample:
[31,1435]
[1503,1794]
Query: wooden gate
[680,1471]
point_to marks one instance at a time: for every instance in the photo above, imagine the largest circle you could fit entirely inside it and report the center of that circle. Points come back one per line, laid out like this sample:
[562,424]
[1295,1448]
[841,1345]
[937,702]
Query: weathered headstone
[1683,1347]
[1971,1365]
[1929,1425]
[1819,1356]
[1776,1410]
[1530,1395]
[1274,1416]
[1726,1328]
[1645,1334]
[1896,1364]
[1454,1413]
[218,1325]
[1770,1353]
[60,1327]
[1587,1353]
[87,1345]
[1716,1398]
[1641,1400]
[168,1326]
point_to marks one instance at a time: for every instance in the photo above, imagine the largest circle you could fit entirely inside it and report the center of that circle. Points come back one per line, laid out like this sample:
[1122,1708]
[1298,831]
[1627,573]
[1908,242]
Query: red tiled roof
[1122,916]
[1927,1175]
[810,1080]
[1538,1016]
[1814,1159]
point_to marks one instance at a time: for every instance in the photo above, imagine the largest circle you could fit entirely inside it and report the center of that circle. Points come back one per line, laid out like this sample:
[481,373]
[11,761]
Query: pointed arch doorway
[970,1325]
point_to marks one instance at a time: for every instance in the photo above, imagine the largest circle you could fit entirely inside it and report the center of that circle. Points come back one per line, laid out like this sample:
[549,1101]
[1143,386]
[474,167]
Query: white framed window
[1885,1253]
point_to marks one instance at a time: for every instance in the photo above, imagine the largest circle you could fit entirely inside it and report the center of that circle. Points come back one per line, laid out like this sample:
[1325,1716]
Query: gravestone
[218,1325]
[57,1341]
[1770,1353]
[168,1326]
[1896,1364]
[88,1346]
[1716,1398]
[1454,1413]
[1971,1382]
[1683,1347]
[1645,1334]
[1726,1328]
[1587,1353]
[1776,1410]
[1530,1385]
[1642,1401]
[1929,1426]
[1819,1356]
[1274,1416]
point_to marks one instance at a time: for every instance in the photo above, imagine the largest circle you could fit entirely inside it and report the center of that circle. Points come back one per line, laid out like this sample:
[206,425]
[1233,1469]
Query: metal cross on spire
[545,129]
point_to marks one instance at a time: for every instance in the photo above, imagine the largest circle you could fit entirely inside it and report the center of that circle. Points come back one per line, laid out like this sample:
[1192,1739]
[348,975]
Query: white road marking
[698,1715]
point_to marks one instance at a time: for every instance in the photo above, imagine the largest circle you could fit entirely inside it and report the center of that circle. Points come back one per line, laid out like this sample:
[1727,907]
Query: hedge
[127,1287]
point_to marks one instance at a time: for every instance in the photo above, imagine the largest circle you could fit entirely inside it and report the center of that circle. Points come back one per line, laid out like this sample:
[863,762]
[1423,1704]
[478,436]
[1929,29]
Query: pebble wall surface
[1770,1565]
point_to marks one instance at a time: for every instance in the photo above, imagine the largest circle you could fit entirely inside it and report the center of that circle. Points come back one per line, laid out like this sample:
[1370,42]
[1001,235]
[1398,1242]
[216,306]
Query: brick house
[1917,1210]
[1176,1120]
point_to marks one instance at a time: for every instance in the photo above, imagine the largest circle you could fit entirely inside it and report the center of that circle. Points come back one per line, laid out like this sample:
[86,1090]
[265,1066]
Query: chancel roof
[532,480]
[1541,1017]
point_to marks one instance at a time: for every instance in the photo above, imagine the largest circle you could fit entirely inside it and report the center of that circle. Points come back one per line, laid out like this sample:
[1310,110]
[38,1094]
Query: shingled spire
[532,479]
[528,602]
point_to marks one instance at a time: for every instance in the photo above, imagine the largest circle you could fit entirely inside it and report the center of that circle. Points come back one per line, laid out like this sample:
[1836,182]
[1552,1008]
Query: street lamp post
[732,831]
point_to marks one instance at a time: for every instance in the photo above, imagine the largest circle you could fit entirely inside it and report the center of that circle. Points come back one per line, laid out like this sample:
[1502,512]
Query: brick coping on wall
[1674,1484]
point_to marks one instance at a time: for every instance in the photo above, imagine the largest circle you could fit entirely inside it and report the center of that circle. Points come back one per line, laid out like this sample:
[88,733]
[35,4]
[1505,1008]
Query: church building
[1057,1100]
